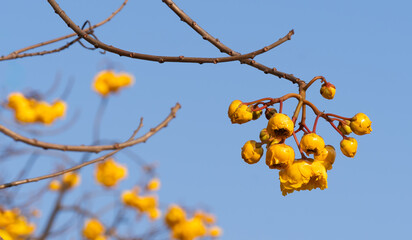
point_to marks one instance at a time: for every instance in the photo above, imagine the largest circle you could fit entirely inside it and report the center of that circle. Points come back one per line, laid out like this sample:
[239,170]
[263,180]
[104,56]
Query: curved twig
[16,54]
[223,48]
[121,52]
[92,148]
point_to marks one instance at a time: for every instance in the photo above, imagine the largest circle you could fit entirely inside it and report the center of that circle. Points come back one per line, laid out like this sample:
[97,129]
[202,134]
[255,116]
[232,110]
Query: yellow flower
[251,152]
[174,215]
[59,108]
[71,180]
[327,157]
[109,173]
[5,235]
[349,146]
[107,82]
[312,144]
[54,185]
[154,214]
[44,113]
[360,124]
[345,128]
[153,185]
[130,198]
[16,100]
[189,230]
[14,224]
[279,156]
[215,231]
[93,229]
[239,113]
[280,126]
[328,90]
[146,203]
[205,217]
[302,175]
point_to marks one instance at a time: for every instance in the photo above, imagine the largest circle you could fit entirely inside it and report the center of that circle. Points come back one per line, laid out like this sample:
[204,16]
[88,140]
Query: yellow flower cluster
[29,110]
[153,184]
[68,181]
[94,230]
[296,174]
[144,204]
[107,81]
[13,225]
[200,225]
[109,173]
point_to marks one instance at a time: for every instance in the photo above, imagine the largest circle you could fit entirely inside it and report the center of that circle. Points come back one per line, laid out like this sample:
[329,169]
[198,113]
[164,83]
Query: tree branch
[121,52]
[91,148]
[223,48]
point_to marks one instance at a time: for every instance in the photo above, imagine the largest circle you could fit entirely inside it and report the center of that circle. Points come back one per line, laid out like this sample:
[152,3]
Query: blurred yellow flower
[71,180]
[361,124]
[153,184]
[54,185]
[280,126]
[279,156]
[174,215]
[312,144]
[143,204]
[107,81]
[349,146]
[205,217]
[93,229]
[109,173]
[251,152]
[214,231]
[189,230]
[13,225]
[29,110]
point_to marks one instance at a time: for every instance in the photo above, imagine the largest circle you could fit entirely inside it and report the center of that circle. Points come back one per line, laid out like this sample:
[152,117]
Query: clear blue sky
[362,47]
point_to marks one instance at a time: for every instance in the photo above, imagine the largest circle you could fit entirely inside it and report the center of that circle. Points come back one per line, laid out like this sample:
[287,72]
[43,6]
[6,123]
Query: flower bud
[312,144]
[270,112]
[345,128]
[239,113]
[360,124]
[327,157]
[348,146]
[279,156]
[328,90]
[256,114]
[264,136]
[280,126]
[252,152]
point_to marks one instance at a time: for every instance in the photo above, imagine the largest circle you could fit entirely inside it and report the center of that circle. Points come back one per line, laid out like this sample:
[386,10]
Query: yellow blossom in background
[214,232]
[349,146]
[189,230]
[93,229]
[174,215]
[205,217]
[29,110]
[107,81]
[71,180]
[153,184]
[361,124]
[303,175]
[13,225]
[154,214]
[312,144]
[251,152]
[109,173]
[143,204]
[54,185]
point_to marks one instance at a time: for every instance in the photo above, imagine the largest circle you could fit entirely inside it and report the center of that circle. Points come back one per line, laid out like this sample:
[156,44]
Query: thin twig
[121,52]
[91,148]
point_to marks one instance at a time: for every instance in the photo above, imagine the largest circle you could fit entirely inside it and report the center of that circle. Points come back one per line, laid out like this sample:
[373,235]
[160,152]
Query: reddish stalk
[280,106]
[297,143]
[333,125]
[334,115]
[316,123]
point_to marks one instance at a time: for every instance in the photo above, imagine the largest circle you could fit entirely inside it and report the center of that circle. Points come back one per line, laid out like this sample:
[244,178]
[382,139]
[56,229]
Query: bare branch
[91,148]
[223,48]
[121,52]
[16,54]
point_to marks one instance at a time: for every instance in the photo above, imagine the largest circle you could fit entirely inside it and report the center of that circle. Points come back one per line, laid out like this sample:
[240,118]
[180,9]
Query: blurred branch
[131,141]
[91,148]
[121,52]
[223,48]
[17,53]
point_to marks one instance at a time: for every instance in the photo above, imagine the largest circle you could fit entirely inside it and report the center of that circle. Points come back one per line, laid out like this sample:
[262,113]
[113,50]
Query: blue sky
[362,47]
